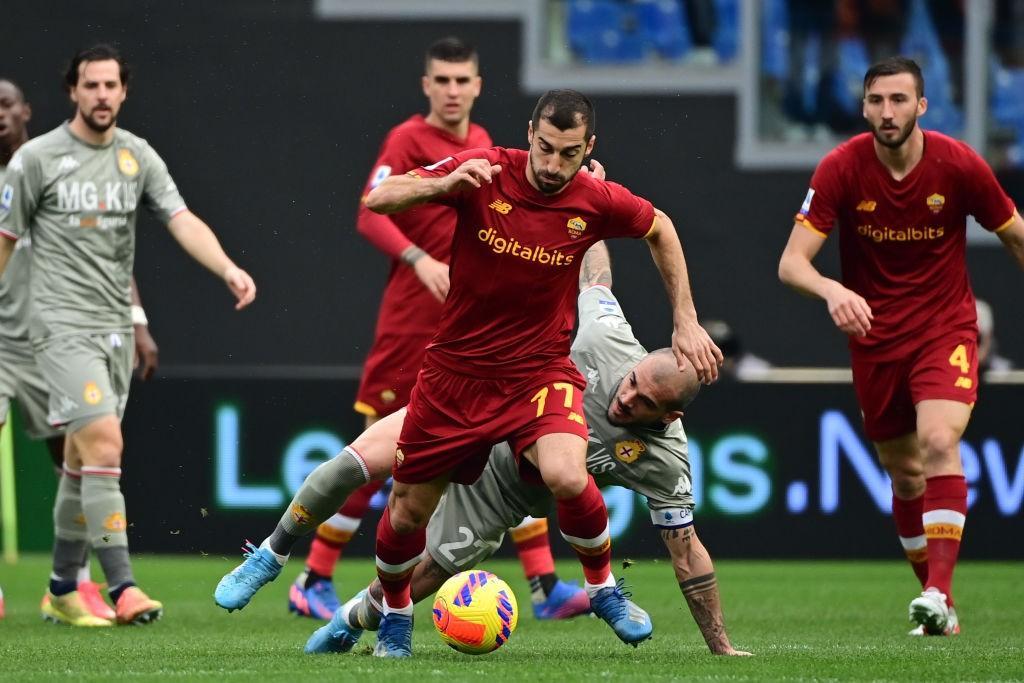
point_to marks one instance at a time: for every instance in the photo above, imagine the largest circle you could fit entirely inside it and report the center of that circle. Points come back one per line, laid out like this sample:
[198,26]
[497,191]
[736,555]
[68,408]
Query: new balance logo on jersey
[501,207]
[67,163]
[867,205]
[87,196]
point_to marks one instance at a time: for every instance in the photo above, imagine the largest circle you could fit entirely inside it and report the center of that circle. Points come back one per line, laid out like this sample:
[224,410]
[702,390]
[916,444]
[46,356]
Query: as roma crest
[936,202]
[576,227]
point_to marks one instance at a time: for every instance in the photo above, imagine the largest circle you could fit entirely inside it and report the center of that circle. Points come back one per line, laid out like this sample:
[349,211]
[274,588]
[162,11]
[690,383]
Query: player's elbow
[787,268]
[375,201]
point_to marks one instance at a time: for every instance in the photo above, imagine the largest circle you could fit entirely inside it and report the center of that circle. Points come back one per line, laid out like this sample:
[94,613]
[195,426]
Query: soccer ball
[475,612]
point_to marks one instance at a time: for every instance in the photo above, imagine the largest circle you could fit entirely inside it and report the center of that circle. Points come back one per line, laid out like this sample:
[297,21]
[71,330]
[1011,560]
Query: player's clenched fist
[691,342]
[849,310]
[473,173]
[241,285]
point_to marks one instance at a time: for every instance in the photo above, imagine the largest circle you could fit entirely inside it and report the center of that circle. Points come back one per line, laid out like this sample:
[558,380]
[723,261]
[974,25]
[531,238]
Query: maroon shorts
[942,368]
[389,373]
[454,420]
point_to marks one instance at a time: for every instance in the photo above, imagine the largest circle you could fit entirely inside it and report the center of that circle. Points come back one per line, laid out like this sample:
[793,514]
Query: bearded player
[418,242]
[75,192]
[900,197]
[633,402]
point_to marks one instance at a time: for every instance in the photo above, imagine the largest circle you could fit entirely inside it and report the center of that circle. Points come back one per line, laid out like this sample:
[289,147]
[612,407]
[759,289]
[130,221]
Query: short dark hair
[96,53]
[451,49]
[893,66]
[17,88]
[565,109]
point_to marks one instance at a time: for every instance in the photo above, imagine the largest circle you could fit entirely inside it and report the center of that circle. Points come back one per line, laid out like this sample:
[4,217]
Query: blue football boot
[319,601]
[566,600]
[631,624]
[236,589]
[394,638]
[336,636]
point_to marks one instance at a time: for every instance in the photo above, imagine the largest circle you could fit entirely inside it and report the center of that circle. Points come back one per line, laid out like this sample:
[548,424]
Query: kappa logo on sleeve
[805,208]
[382,172]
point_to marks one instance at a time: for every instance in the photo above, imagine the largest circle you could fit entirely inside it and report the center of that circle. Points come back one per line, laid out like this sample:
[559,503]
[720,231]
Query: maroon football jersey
[902,242]
[515,264]
[407,306]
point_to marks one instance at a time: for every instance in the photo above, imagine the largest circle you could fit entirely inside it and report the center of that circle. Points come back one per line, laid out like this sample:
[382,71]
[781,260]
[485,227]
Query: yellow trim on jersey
[1008,223]
[654,224]
[414,174]
[364,409]
[810,226]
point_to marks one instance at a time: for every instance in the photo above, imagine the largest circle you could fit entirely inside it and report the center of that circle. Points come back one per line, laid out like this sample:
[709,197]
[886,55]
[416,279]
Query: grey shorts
[88,376]
[470,522]
[21,381]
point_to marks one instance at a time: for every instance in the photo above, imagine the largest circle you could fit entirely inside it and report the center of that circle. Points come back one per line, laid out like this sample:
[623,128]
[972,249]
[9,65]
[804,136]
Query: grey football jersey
[652,462]
[78,203]
[14,287]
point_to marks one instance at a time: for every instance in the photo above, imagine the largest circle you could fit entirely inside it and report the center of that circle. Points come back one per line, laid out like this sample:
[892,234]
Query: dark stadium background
[270,120]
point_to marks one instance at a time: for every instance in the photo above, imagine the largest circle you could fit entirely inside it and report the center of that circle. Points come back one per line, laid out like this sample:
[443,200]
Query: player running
[74,191]
[419,243]
[21,380]
[900,196]
[633,403]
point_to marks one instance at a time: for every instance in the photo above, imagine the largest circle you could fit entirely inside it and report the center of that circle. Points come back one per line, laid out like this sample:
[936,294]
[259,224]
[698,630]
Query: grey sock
[70,538]
[319,497]
[103,505]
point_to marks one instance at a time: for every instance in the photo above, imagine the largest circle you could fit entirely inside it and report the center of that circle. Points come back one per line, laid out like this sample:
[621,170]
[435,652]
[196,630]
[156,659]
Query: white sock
[83,573]
[407,610]
[592,588]
[281,559]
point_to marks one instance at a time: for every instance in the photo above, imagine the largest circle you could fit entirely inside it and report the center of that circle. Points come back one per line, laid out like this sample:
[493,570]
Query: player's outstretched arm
[1013,238]
[689,340]
[850,312]
[6,249]
[147,353]
[596,268]
[198,240]
[696,576]
[398,193]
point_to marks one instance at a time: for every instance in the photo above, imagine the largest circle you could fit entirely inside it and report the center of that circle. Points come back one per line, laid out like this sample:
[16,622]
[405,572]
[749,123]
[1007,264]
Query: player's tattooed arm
[427,577]
[696,576]
[596,268]
[1012,238]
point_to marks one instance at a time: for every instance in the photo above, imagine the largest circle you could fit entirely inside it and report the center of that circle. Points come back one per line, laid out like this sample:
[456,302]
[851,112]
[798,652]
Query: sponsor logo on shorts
[963,383]
[575,417]
[399,457]
[388,395]
[126,163]
[115,522]
[576,227]
[301,514]
[936,202]
[628,451]
[867,205]
[500,206]
[538,254]
[92,394]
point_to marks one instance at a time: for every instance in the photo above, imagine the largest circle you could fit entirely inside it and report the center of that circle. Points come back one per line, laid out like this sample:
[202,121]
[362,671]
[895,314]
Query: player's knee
[407,516]
[99,444]
[566,482]
[939,443]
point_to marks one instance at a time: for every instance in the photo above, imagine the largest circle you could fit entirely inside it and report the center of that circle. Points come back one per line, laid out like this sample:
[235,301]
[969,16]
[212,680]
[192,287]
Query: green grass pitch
[803,620]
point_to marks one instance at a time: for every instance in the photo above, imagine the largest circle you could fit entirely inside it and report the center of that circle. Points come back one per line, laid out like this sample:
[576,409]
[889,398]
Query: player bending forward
[633,403]
[900,196]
